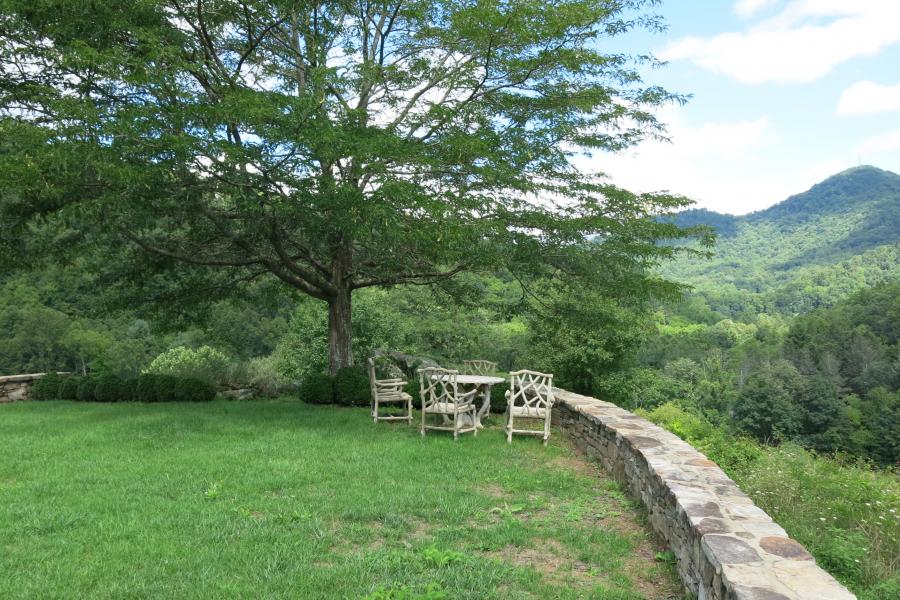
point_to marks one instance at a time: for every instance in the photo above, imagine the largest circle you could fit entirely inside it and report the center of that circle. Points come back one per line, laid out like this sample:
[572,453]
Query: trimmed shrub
[68,388]
[317,389]
[166,388]
[193,390]
[86,387]
[47,387]
[145,388]
[108,388]
[498,397]
[351,387]
[412,388]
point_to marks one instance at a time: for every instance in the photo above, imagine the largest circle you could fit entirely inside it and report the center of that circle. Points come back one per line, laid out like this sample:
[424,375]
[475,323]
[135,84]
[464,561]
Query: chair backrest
[531,389]
[479,367]
[437,385]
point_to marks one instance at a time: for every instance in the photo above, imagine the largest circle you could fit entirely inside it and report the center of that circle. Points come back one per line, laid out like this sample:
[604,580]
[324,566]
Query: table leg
[485,406]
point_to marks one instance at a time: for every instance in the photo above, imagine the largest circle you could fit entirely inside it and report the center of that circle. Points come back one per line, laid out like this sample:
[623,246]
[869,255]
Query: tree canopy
[331,145]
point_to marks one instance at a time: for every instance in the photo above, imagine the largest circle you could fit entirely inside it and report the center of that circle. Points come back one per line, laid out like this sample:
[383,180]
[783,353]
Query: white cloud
[866,97]
[731,167]
[801,43]
[886,142]
[713,163]
[748,8]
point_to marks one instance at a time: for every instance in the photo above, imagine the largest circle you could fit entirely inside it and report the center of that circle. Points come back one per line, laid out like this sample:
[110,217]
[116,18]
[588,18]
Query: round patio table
[483,383]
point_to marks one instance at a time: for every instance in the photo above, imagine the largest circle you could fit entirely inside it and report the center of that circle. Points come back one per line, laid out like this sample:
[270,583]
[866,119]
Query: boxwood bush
[68,388]
[47,387]
[86,388]
[189,389]
[317,388]
[110,388]
[498,397]
[145,388]
[166,387]
[351,387]
[412,388]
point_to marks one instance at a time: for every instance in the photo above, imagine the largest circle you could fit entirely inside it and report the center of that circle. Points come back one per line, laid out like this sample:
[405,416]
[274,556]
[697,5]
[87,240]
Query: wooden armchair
[479,367]
[441,395]
[388,391]
[530,396]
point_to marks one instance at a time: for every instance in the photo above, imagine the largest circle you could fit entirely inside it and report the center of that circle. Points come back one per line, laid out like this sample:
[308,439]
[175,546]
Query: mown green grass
[281,499]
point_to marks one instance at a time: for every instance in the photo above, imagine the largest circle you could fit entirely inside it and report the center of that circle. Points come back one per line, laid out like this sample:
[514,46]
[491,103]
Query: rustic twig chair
[388,391]
[479,367]
[441,395]
[530,396]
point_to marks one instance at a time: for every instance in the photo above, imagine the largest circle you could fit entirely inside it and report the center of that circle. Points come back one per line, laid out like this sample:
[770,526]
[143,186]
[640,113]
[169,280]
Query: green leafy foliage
[68,388]
[351,387]
[338,174]
[205,363]
[188,389]
[111,388]
[165,388]
[317,388]
[47,387]
[87,387]
[145,388]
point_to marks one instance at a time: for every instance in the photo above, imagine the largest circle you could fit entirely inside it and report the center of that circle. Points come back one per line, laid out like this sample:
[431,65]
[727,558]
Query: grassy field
[281,499]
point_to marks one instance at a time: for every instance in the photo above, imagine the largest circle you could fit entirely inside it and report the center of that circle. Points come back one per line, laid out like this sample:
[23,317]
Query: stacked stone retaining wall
[18,387]
[727,548]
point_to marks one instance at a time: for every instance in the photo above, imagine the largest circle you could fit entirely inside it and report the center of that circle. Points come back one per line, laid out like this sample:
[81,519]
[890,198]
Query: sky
[784,94]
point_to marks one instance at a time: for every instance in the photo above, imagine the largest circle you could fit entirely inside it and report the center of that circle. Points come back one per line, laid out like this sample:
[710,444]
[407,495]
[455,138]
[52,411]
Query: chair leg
[409,416]
[422,431]
[455,426]
[474,423]
[547,428]
[375,411]
[509,428]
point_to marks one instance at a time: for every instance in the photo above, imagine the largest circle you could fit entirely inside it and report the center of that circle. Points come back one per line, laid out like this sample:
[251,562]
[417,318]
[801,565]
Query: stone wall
[17,387]
[727,547]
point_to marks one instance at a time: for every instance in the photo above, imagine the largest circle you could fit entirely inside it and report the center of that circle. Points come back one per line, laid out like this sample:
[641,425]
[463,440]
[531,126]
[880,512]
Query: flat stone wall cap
[784,547]
[19,378]
[757,593]
[808,581]
[729,550]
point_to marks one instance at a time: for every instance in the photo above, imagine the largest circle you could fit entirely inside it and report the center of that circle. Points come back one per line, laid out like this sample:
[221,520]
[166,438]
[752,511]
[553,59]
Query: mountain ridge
[840,235]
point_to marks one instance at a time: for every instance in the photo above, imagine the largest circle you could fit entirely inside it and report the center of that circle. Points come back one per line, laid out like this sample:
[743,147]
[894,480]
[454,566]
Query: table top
[478,379]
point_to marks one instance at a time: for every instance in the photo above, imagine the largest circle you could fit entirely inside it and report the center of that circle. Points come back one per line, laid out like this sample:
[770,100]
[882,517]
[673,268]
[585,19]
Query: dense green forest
[787,334]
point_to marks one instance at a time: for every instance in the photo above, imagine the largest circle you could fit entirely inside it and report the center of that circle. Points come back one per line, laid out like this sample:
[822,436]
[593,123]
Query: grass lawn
[281,499]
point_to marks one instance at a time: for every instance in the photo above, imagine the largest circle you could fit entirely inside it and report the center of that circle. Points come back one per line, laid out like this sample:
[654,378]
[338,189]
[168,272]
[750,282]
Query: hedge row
[110,388]
[350,387]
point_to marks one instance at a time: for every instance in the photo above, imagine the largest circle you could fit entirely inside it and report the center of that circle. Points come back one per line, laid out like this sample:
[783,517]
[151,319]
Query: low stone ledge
[727,548]
[14,388]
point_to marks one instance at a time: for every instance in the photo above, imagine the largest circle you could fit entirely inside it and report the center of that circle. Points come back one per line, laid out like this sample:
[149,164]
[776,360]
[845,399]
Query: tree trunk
[340,332]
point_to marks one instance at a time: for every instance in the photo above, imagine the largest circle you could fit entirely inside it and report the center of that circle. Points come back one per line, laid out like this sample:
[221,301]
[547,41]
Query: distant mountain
[813,248]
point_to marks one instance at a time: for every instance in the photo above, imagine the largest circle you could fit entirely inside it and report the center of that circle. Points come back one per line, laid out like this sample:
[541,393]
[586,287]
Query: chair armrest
[466,397]
[390,384]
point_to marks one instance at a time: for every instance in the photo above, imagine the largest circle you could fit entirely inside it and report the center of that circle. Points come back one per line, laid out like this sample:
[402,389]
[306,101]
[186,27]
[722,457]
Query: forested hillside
[790,332]
[809,251]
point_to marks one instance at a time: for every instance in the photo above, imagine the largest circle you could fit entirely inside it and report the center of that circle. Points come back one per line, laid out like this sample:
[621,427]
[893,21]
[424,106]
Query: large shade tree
[333,145]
